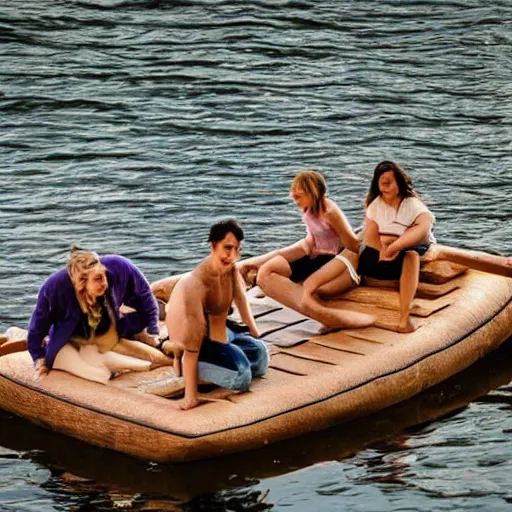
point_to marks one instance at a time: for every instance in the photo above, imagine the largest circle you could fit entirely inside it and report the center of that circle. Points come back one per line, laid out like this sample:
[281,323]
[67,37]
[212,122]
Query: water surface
[130,126]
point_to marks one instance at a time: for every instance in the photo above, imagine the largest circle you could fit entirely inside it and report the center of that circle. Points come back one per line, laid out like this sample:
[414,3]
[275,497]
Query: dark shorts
[303,268]
[370,266]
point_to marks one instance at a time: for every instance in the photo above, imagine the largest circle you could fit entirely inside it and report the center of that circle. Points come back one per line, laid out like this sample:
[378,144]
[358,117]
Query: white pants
[89,363]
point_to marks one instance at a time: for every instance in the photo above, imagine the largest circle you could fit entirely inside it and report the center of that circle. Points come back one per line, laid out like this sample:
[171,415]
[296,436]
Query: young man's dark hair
[219,230]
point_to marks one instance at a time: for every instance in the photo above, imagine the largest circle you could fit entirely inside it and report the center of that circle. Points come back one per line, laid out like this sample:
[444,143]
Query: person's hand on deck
[41,369]
[149,339]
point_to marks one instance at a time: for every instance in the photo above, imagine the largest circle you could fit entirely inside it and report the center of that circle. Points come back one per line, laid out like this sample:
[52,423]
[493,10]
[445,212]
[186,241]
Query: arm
[190,372]
[412,236]
[147,305]
[242,304]
[371,234]
[336,218]
[186,324]
[38,328]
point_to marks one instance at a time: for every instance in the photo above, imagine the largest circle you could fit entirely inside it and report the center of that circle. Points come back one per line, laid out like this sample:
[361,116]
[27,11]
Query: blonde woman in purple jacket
[77,325]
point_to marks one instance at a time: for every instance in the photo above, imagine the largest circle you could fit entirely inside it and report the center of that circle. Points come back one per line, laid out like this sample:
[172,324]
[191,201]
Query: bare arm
[38,328]
[412,236]
[371,234]
[186,324]
[340,224]
[190,372]
[243,305]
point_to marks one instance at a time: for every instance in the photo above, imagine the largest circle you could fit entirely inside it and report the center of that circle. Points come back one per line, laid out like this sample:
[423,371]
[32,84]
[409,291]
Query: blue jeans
[232,365]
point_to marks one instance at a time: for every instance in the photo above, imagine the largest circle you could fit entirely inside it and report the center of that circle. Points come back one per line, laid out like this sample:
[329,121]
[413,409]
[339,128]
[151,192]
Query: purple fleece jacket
[57,311]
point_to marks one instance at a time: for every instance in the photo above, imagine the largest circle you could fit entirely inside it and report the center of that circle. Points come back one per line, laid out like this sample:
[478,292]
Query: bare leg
[163,288]
[291,253]
[69,360]
[478,260]
[333,278]
[273,279]
[408,286]
[142,351]
[114,361]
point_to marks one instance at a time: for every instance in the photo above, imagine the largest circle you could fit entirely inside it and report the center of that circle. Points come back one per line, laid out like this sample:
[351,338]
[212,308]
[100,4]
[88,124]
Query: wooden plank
[343,342]
[376,334]
[322,354]
[431,290]
[385,316]
[390,299]
[258,309]
[294,334]
[279,320]
[440,271]
[295,365]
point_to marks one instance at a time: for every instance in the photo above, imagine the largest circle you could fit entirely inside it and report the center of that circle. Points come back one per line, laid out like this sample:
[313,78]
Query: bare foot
[406,327]
[353,320]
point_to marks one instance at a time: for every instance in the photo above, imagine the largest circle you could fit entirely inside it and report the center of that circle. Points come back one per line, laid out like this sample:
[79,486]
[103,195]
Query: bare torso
[199,305]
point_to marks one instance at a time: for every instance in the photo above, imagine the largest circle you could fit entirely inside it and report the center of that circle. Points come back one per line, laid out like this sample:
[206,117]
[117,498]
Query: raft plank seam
[360,338]
[259,315]
[339,349]
[276,329]
[307,358]
[284,370]
[260,420]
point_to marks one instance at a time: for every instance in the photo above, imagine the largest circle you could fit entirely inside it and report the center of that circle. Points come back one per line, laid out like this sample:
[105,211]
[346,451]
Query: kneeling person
[196,319]
[78,310]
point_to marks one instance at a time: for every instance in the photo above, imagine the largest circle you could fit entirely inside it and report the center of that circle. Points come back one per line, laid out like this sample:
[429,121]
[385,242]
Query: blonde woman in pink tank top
[314,266]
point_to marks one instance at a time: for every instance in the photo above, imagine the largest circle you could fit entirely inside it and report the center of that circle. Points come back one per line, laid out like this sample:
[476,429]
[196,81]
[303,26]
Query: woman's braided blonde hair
[81,262]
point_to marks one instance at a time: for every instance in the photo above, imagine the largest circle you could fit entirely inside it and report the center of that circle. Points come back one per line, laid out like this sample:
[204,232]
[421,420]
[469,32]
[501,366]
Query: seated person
[315,264]
[196,318]
[398,230]
[78,308]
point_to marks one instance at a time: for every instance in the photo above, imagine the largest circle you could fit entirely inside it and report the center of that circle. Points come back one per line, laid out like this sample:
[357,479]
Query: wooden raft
[314,381]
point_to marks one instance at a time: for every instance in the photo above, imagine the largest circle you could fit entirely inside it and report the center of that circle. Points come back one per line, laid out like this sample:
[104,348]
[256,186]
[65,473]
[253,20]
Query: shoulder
[113,261]
[57,281]
[414,205]
[119,267]
[374,207]
[57,290]
[190,289]
[332,210]
[194,282]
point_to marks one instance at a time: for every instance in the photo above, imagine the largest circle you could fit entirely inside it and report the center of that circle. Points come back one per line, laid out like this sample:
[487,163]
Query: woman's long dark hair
[405,188]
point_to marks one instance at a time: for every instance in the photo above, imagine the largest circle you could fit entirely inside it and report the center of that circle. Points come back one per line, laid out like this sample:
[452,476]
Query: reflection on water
[385,449]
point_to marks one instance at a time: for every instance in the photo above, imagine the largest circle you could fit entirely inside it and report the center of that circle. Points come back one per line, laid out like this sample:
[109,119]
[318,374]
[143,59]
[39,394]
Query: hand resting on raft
[41,369]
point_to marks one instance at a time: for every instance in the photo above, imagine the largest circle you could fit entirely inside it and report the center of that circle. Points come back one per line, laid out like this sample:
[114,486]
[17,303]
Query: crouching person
[77,325]
[196,318]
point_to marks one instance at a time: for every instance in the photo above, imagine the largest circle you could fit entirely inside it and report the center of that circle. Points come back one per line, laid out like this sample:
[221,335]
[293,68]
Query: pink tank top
[325,239]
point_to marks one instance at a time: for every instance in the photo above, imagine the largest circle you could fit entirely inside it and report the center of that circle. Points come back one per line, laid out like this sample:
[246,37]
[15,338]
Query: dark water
[129,126]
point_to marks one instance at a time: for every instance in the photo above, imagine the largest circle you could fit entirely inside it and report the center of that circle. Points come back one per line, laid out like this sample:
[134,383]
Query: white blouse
[395,222]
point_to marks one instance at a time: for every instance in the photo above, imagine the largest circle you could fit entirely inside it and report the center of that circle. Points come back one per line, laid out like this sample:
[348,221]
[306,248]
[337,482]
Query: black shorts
[370,266]
[303,268]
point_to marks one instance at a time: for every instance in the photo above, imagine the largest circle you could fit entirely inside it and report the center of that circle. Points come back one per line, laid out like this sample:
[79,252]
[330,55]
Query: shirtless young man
[196,319]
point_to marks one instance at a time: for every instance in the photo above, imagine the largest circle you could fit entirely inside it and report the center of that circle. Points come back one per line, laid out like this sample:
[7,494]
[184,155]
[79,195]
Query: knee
[412,258]
[243,378]
[306,303]
[263,276]
[262,361]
